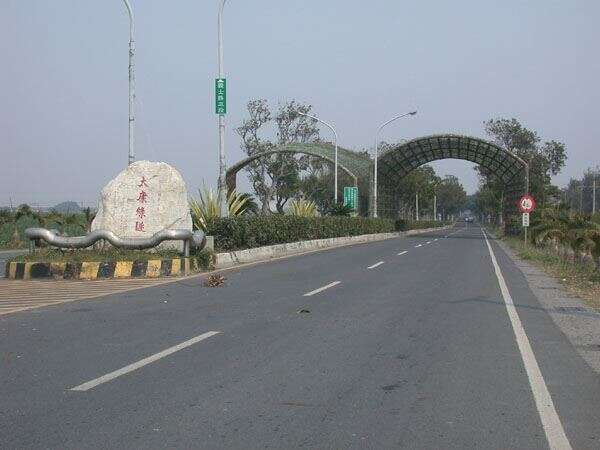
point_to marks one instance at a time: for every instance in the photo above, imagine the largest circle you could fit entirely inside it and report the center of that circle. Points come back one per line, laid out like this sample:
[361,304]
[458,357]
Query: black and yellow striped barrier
[100,270]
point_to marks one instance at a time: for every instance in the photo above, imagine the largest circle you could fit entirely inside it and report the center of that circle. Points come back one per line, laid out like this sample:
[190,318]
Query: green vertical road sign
[351,197]
[221,96]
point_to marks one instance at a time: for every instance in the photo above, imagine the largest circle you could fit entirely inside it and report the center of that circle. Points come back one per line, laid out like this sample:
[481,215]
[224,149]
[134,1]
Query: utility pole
[221,182]
[417,205]
[435,207]
[131,156]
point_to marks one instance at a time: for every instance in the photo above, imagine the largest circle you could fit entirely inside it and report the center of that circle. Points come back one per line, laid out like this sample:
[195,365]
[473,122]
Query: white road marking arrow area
[141,363]
[321,289]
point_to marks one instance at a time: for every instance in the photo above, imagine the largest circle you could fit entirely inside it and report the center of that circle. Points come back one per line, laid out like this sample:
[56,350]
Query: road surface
[428,342]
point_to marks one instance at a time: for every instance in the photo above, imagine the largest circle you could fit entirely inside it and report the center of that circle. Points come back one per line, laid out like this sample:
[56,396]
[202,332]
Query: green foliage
[303,208]
[206,209]
[276,178]
[204,260]
[451,196]
[237,233]
[339,209]
[544,159]
[560,227]
[13,225]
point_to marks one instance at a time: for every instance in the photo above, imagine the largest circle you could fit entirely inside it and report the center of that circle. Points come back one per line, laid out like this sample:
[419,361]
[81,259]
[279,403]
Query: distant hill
[67,208]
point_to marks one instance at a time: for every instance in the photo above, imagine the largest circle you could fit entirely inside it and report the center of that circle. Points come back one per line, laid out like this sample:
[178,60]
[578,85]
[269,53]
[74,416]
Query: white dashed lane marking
[321,289]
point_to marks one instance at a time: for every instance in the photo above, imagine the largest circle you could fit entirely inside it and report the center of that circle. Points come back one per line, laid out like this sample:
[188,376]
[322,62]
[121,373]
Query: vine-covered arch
[398,161]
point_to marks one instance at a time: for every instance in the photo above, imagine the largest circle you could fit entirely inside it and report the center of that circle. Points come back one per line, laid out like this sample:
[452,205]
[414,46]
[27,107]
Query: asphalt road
[406,343]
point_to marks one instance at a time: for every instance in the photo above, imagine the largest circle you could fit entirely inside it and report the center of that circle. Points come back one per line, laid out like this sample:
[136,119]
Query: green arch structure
[357,166]
[398,161]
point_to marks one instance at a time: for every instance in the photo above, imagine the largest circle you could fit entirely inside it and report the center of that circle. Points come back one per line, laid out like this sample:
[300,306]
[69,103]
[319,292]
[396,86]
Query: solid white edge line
[402,253]
[555,433]
[321,289]
[376,265]
[141,363]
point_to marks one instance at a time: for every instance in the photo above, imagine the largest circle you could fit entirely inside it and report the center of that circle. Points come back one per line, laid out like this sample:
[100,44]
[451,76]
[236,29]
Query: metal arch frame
[397,162]
[353,164]
[435,147]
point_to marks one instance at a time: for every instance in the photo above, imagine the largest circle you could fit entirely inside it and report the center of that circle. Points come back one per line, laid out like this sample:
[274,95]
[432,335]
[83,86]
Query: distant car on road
[469,219]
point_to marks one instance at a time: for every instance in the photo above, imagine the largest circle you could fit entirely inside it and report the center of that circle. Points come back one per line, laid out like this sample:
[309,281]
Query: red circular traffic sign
[527,204]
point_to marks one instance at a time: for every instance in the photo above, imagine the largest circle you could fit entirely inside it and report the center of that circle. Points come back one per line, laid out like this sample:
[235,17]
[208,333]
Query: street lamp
[131,156]
[412,113]
[221,182]
[335,176]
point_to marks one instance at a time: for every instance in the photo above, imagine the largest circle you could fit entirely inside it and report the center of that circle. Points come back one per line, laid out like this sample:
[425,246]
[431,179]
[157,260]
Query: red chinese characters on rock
[141,210]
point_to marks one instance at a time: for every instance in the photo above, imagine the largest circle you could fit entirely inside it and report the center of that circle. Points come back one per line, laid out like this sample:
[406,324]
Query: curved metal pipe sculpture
[195,239]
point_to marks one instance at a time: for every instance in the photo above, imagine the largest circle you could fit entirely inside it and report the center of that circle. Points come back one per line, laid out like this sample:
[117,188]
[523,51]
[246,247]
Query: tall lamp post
[412,113]
[131,156]
[221,182]
[335,175]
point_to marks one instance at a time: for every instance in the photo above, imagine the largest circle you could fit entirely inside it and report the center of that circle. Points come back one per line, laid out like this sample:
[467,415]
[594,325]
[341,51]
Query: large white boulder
[143,199]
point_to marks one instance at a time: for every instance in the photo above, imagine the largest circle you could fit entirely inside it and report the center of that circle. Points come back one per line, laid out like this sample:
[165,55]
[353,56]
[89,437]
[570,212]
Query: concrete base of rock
[100,270]
[229,259]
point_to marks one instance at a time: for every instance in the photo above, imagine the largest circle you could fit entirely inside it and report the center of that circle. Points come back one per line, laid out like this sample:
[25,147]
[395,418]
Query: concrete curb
[100,270]
[230,259]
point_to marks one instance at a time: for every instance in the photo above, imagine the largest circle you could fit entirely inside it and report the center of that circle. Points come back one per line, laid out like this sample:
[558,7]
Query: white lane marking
[418,245]
[402,253]
[321,289]
[435,240]
[555,433]
[143,362]
[428,242]
[376,265]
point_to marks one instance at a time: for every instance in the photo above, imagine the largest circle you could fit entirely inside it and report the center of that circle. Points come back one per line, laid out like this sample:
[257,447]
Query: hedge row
[238,233]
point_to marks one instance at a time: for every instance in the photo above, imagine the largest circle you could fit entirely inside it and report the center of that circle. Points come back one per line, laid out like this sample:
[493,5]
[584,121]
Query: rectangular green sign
[221,96]
[351,197]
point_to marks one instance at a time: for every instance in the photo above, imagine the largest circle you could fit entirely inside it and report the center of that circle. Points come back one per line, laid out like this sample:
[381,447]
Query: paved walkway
[16,295]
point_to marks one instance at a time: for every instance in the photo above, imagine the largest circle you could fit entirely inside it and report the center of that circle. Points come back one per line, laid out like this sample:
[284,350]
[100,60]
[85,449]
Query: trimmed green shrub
[236,233]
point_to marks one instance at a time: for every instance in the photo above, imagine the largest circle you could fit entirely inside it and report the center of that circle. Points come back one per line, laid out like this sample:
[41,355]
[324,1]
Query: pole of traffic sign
[131,155]
[222,197]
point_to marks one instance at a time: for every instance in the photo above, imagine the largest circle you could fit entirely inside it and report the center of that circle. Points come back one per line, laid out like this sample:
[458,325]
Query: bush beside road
[238,233]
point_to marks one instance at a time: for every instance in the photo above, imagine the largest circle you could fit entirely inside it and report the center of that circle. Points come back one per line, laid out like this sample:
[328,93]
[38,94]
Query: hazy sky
[63,79]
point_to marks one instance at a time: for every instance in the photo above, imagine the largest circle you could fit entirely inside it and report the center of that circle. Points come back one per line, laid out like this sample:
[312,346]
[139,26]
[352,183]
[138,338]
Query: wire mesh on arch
[398,161]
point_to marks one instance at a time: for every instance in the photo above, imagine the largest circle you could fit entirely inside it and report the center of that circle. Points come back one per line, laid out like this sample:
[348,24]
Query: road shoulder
[578,322]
